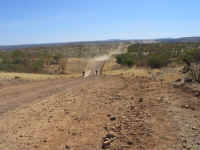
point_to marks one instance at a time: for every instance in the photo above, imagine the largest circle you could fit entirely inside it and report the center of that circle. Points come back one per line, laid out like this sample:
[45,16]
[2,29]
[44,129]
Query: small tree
[158,61]
[125,59]
[192,55]
[37,66]
[18,57]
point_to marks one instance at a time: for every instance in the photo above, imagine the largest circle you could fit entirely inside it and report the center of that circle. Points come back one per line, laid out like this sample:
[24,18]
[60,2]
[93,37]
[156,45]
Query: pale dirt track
[94,67]
[14,96]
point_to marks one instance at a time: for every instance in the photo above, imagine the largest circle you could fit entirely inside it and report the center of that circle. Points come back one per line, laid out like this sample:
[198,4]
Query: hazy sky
[44,21]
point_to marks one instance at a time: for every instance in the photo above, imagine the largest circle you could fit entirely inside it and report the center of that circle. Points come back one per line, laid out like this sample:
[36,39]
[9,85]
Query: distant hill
[84,43]
[98,43]
[177,40]
[77,50]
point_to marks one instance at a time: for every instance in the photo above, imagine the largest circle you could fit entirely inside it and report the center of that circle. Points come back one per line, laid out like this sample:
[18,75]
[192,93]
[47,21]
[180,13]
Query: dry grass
[112,68]
[168,74]
[111,64]
[129,72]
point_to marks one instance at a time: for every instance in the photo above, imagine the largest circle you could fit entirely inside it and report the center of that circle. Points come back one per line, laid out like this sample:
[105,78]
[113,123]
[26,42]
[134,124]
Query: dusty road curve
[94,68]
[15,96]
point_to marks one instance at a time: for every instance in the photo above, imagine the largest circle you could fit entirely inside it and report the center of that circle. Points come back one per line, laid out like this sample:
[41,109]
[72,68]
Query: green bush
[192,55]
[125,59]
[153,60]
[37,66]
[158,61]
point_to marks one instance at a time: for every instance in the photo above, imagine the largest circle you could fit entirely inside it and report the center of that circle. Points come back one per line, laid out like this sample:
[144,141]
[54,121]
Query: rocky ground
[111,112]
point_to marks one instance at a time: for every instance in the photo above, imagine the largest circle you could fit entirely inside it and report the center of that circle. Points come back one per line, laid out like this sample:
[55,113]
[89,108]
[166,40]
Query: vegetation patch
[28,62]
[158,55]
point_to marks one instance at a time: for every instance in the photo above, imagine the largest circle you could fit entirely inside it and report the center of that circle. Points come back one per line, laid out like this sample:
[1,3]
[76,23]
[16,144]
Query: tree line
[28,62]
[157,55]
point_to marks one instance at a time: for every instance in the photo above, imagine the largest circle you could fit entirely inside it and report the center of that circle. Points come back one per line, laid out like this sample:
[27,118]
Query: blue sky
[46,21]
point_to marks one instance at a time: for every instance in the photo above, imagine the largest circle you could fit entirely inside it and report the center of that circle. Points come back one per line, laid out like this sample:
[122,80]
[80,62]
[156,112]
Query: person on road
[96,72]
[83,74]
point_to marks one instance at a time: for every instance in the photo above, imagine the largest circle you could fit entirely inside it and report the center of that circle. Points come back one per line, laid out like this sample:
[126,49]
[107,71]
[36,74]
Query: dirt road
[94,67]
[14,96]
[111,112]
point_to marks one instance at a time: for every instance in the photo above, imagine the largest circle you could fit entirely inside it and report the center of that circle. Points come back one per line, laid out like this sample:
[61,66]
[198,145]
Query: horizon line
[114,39]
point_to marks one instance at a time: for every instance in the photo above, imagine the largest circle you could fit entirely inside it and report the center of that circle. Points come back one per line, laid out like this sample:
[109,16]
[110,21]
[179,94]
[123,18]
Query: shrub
[158,61]
[37,66]
[17,57]
[125,59]
[192,55]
